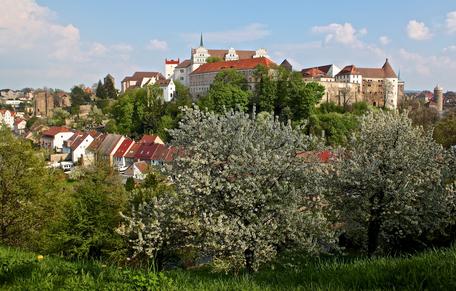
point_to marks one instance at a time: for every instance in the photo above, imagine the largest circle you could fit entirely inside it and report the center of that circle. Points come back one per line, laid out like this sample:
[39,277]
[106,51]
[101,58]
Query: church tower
[199,55]
[438,96]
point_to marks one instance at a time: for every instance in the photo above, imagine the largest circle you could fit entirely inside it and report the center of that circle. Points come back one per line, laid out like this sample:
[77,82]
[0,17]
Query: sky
[60,43]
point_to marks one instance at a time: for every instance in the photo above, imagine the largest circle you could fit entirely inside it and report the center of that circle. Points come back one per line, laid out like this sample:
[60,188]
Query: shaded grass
[433,270]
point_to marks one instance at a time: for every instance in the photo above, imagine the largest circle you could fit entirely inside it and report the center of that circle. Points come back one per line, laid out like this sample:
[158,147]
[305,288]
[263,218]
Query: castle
[181,71]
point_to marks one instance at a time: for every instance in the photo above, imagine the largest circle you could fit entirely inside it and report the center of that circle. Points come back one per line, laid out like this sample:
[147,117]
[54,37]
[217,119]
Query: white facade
[261,53]
[391,92]
[7,118]
[80,151]
[19,126]
[169,90]
[59,138]
[182,75]
[231,55]
[170,66]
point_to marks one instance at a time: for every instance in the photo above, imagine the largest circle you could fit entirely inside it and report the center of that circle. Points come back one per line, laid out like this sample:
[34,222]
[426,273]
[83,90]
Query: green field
[433,270]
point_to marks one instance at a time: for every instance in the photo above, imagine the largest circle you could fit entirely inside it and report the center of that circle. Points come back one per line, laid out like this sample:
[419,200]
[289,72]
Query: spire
[201,40]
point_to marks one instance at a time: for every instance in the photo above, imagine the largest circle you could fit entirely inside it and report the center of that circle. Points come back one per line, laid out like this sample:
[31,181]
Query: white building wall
[392,95]
[80,151]
[60,138]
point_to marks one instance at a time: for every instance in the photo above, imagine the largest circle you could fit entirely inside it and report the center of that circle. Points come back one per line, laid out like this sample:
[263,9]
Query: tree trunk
[373,232]
[249,256]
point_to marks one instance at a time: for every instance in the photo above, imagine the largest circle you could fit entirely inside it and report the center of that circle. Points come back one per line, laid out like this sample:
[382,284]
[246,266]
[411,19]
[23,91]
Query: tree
[244,188]
[91,216]
[229,90]
[100,92]
[390,185]
[213,59]
[78,97]
[445,131]
[304,97]
[27,191]
[265,91]
[109,88]
[130,184]
[59,117]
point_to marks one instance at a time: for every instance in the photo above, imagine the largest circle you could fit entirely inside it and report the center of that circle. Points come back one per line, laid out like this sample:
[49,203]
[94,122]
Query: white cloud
[418,30]
[384,40]
[341,33]
[451,48]
[156,44]
[37,50]
[251,32]
[451,22]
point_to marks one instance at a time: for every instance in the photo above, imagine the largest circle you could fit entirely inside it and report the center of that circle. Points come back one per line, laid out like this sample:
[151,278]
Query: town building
[54,137]
[202,78]
[168,88]
[76,145]
[119,156]
[19,126]
[7,118]
[141,79]
[170,66]
[199,56]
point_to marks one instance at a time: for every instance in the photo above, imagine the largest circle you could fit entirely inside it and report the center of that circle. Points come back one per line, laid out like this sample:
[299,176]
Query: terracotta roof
[160,153]
[316,71]
[17,121]
[245,64]
[3,111]
[146,151]
[124,147]
[149,139]
[171,62]
[378,73]
[349,70]
[143,167]
[163,83]
[138,76]
[131,153]
[314,156]
[56,130]
[184,64]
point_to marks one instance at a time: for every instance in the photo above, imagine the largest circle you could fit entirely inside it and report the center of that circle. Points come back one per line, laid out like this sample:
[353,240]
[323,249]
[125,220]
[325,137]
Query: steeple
[201,40]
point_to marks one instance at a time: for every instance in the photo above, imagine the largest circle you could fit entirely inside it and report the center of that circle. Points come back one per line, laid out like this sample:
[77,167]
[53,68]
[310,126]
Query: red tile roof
[17,121]
[55,130]
[96,142]
[349,70]
[146,151]
[314,156]
[246,64]
[138,76]
[172,62]
[149,139]
[131,153]
[377,73]
[79,140]
[143,167]
[124,147]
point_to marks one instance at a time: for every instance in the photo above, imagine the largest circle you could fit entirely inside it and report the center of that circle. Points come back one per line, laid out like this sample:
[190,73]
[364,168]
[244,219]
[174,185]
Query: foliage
[390,185]
[213,59]
[78,97]
[337,128]
[28,192]
[109,88]
[229,90]
[59,117]
[433,270]
[130,184]
[265,96]
[100,92]
[245,188]
[445,131]
[91,216]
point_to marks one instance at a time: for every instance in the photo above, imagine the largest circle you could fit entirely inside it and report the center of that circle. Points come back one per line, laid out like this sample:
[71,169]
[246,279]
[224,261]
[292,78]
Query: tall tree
[100,92]
[390,184]
[109,87]
[265,97]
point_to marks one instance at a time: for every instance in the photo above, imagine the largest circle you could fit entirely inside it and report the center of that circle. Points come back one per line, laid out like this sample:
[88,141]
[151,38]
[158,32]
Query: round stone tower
[438,95]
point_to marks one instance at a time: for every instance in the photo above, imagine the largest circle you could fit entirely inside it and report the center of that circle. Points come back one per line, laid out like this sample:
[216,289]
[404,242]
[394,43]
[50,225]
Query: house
[168,88]
[149,139]
[155,154]
[92,149]
[119,155]
[77,145]
[54,137]
[19,126]
[141,79]
[137,170]
[202,78]
[7,118]
[108,147]
[130,155]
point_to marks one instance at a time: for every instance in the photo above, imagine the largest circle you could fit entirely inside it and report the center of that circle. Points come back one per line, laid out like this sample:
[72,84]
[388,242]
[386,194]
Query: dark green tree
[265,97]
[100,92]
[109,87]
[214,59]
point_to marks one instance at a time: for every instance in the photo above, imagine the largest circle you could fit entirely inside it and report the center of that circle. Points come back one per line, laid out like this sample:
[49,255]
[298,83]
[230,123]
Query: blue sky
[59,43]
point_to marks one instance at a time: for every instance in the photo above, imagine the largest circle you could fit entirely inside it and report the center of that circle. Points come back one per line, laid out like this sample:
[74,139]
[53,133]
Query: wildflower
[40,257]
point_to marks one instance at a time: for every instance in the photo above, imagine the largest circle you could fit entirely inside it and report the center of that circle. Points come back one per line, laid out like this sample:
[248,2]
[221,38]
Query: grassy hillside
[434,270]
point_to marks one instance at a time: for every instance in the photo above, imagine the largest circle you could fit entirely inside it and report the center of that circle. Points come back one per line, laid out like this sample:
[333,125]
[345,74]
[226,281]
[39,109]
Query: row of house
[120,152]
[11,120]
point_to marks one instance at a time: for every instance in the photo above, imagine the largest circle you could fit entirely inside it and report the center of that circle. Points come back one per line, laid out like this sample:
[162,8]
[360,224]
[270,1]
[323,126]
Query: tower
[170,65]
[438,95]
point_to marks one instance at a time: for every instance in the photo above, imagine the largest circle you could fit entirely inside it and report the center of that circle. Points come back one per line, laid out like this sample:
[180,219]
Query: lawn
[433,270]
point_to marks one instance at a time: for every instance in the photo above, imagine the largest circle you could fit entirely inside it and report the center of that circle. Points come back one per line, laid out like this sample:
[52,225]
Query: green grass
[433,270]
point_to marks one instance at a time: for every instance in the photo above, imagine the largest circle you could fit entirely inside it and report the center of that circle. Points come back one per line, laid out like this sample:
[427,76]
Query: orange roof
[245,64]
[378,73]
